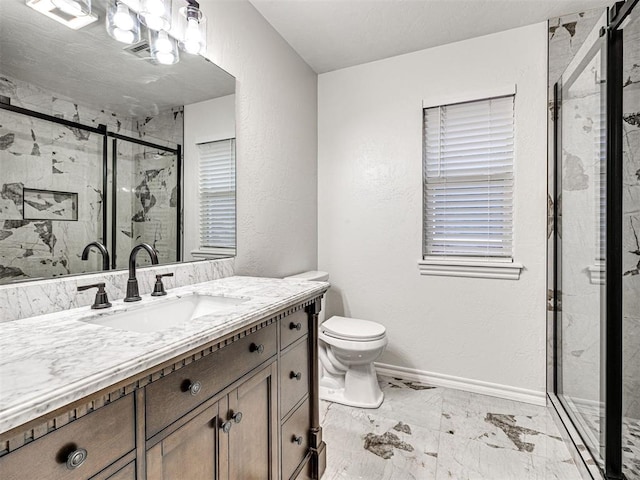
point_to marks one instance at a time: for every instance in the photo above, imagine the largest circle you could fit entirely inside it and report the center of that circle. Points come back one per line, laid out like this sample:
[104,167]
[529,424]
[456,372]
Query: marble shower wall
[41,155]
[566,35]
[631,224]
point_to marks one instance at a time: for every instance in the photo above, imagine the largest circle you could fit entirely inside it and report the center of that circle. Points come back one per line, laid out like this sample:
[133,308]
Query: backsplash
[28,299]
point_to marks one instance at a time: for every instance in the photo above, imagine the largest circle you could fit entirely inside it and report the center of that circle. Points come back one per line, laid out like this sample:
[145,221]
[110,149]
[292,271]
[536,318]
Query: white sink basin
[166,313]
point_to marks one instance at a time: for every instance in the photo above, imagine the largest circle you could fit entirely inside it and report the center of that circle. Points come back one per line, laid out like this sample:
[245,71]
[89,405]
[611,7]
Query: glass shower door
[146,196]
[581,243]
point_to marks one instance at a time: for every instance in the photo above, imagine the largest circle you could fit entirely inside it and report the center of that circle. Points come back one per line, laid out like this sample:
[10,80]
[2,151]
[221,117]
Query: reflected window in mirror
[217,190]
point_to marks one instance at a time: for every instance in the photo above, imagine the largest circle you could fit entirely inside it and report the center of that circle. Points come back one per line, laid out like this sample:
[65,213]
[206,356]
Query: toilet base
[359,389]
[337,396]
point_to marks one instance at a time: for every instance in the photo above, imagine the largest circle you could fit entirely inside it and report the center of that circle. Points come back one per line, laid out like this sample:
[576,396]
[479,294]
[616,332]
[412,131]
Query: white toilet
[348,348]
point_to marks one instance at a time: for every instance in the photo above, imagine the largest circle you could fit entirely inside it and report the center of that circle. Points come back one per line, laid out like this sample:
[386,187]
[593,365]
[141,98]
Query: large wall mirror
[99,143]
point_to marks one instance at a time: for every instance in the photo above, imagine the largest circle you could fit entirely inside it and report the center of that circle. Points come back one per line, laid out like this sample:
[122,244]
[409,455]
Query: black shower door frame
[612,367]
[5,104]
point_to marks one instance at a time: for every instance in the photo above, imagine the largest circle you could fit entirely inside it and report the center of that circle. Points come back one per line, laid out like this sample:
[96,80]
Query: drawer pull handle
[297,376]
[237,417]
[194,388]
[295,326]
[76,458]
[226,427]
[256,348]
[297,439]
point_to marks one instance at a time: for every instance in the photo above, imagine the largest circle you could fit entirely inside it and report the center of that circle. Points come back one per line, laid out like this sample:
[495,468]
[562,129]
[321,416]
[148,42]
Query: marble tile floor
[431,433]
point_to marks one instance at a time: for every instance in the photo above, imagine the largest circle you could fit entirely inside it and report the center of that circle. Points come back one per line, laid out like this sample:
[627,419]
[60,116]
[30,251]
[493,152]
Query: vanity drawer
[170,398]
[295,439]
[293,327]
[294,376]
[105,435]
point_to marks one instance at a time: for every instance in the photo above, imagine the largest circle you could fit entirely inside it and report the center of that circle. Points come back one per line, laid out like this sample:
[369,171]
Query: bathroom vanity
[228,395]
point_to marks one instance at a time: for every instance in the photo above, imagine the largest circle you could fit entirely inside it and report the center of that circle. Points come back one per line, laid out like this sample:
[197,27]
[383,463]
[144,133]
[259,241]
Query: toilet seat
[353,329]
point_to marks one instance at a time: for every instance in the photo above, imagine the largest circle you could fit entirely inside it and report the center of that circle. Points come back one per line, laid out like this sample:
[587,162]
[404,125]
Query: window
[217,194]
[468,151]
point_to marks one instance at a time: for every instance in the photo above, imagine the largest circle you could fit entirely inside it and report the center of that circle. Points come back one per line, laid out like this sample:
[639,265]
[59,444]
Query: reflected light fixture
[121,23]
[194,36]
[74,14]
[164,49]
[155,14]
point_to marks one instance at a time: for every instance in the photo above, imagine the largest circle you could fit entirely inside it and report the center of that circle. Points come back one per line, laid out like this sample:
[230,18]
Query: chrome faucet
[133,294]
[103,251]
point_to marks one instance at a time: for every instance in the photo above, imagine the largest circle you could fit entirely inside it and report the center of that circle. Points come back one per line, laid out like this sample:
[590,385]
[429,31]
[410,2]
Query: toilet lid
[353,329]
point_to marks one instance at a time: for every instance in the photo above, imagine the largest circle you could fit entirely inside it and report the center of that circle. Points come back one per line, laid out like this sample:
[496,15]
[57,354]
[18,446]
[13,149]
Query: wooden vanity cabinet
[243,407]
[230,437]
[79,450]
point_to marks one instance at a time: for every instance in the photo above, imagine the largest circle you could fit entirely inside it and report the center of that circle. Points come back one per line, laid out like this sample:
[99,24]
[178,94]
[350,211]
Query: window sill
[505,270]
[213,253]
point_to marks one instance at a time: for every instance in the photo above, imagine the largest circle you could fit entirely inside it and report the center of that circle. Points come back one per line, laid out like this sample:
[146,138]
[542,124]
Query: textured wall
[276,131]
[370,199]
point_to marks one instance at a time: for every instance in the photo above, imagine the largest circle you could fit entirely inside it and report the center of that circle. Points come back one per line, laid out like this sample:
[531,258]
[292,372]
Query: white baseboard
[458,383]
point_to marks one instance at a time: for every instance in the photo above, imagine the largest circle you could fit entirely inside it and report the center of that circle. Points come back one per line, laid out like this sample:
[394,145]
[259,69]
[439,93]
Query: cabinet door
[253,440]
[192,452]
[127,473]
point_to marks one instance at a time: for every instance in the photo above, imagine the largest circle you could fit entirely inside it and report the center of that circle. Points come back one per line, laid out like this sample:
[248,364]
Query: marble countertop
[51,360]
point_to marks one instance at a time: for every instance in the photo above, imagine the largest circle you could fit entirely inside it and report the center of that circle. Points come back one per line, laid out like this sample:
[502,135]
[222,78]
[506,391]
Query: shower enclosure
[64,184]
[594,281]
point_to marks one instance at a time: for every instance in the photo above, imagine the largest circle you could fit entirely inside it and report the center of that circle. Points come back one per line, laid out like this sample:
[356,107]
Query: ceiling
[334,34]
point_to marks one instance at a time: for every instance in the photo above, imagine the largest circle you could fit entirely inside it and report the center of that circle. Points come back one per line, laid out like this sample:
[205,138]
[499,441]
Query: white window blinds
[468,179]
[218,194]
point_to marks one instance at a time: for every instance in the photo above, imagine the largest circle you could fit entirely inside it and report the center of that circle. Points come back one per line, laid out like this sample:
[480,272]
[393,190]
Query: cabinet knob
[76,458]
[297,439]
[297,376]
[194,388]
[295,326]
[226,427]
[237,417]
[256,348]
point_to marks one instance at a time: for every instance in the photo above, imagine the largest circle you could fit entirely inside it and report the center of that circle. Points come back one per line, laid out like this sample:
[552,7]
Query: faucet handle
[158,288]
[101,300]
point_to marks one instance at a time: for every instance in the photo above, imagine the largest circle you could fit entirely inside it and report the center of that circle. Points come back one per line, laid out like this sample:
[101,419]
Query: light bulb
[124,36]
[166,58]
[122,19]
[163,44]
[192,36]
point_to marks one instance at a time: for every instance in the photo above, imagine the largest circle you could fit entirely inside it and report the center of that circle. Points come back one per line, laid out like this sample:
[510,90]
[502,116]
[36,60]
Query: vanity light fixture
[194,29]
[164,49]
[155,14]
[122,25]
[74,14]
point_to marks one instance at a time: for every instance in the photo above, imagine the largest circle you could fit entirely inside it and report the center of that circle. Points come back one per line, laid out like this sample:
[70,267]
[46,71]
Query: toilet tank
[313,276]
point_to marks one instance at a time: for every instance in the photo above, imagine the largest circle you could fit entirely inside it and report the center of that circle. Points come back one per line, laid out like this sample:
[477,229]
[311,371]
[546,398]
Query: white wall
[204,122]
[276,134]
[370,199]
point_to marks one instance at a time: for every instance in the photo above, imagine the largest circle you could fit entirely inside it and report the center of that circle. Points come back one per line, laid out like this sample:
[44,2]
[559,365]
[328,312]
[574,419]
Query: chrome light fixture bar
[194,29]
[123,19]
